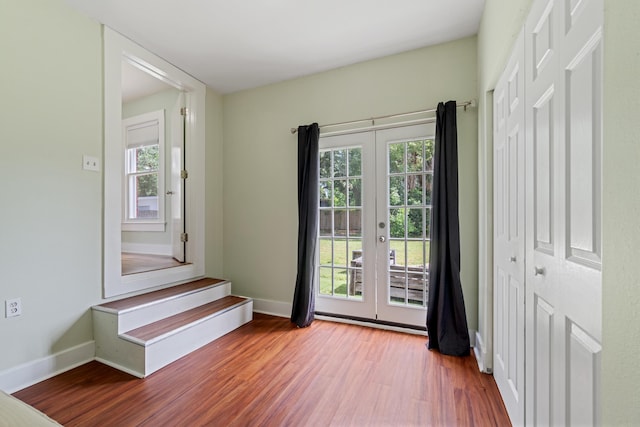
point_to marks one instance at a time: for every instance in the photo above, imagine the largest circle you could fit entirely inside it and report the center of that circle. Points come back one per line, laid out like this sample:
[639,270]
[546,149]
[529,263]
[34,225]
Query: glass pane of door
[340,213]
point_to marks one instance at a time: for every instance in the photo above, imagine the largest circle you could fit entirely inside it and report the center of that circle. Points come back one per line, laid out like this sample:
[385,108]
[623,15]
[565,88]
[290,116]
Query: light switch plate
[90,163]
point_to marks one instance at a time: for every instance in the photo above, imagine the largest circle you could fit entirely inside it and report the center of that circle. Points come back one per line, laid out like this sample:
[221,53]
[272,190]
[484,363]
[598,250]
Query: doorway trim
[117,48]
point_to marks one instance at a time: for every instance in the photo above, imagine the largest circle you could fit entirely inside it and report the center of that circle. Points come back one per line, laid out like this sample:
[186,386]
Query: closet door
[563,204]
[509,234]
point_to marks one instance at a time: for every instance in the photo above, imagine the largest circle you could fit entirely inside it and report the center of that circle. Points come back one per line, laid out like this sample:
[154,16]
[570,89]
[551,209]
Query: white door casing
[509,235]
[563,45]
[176,192]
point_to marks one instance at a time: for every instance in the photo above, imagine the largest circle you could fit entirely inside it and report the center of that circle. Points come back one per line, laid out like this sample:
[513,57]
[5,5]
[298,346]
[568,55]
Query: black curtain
[308,164]
[446,317]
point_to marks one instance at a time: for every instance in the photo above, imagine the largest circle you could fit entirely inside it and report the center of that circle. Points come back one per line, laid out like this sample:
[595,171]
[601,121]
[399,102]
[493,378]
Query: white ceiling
[232,45]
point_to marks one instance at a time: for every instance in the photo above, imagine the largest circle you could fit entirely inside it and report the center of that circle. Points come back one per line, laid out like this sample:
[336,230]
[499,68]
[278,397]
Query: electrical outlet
[13,307]
[90,163]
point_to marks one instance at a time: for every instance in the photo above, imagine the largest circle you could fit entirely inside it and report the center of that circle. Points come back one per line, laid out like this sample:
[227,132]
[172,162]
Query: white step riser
[170,349]
[141,361]
[152,313]
[113,350]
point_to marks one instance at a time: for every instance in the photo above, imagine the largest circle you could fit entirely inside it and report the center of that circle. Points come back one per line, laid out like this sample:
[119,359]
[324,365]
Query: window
[144,172]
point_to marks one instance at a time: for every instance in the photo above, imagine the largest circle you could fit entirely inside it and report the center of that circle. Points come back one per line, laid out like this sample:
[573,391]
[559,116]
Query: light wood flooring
[269,373]
[140,263]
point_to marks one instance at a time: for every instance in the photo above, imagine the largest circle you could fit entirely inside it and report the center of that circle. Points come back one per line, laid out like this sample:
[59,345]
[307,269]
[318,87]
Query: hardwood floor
[140,263]
[268,373]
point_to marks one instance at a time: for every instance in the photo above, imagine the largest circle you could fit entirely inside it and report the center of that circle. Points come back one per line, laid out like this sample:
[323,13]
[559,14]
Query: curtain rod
[465,104]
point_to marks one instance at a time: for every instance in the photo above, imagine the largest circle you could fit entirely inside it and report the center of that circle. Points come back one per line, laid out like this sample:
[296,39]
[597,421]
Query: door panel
[584,374]
[404,158]
[584,149]
[509,226]
[543,336]
[563,196]
[346,241]
[543,148]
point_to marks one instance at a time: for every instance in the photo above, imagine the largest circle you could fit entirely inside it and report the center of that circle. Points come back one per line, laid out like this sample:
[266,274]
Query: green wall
[51,109]
[214,231]
[51,215]
[260,175]
[621,215]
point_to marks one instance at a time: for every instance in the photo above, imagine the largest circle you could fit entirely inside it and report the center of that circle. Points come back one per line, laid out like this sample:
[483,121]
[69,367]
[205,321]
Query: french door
[374,214]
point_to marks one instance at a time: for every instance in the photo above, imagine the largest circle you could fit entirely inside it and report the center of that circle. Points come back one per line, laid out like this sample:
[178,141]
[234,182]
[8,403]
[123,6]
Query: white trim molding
[27,374]
[480,352]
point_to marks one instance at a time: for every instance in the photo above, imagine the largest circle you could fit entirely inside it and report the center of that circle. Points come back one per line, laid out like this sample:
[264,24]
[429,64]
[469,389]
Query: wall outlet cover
[13,307]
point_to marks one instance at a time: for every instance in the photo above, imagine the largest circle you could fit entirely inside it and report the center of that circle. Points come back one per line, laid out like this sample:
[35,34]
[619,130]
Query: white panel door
[563,112]
[509,234]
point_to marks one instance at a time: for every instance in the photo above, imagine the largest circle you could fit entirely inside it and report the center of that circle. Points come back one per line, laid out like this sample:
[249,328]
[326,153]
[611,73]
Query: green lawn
[341,261]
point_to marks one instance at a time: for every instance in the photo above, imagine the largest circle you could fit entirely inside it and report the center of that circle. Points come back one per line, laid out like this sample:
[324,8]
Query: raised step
[142,334]
[141,310]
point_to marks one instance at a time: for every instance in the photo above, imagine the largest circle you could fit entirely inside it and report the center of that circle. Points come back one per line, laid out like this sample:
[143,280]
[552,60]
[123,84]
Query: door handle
[382,239]
[512,259]
[538,271]
[169,193]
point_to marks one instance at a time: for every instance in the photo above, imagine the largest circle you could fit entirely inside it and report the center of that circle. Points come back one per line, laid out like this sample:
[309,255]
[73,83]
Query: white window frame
[146,224]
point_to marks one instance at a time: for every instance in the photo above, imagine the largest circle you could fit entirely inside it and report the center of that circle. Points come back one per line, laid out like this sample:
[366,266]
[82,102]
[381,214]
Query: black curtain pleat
[308,175]
[446,316]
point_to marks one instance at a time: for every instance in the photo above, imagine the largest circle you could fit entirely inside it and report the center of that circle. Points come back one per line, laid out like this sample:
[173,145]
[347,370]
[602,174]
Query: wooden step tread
[164,326]
[162,294]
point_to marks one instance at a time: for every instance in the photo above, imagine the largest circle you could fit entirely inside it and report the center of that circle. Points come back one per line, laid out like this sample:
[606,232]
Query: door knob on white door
[538,271]
[382,239]
[512,259]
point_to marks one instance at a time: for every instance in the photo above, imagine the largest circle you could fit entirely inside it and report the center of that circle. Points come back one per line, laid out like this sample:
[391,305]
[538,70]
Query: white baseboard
[480,352]
[273,308]
[472,337]
[30,373]
[119,367]
[146,248]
